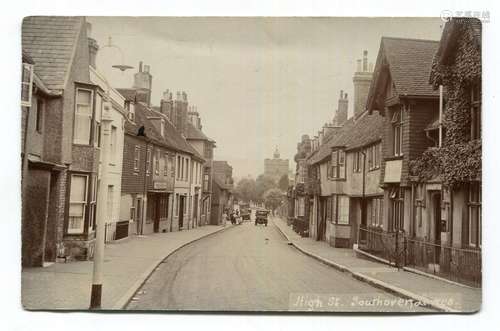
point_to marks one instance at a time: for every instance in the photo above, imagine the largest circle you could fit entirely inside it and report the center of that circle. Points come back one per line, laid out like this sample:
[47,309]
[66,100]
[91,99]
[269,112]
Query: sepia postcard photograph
[252,164]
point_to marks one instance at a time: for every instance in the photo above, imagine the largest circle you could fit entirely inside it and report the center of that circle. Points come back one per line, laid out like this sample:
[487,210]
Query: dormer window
[130,109]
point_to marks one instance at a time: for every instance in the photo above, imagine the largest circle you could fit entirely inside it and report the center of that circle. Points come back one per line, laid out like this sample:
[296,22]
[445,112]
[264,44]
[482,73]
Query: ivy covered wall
[458,160]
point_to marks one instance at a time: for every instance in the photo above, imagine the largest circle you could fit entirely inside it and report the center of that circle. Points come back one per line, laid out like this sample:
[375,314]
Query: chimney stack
[93,46]
[181,112]
[166,104]
[341,116]
[143,82]
[361,80]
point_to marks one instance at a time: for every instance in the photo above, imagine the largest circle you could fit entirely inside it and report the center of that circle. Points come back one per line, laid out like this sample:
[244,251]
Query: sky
[258,83]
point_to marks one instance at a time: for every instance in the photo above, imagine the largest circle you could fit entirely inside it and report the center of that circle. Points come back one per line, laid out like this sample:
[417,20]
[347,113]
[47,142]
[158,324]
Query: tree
[246,190]
[263,184]
[283,183]
[273,198]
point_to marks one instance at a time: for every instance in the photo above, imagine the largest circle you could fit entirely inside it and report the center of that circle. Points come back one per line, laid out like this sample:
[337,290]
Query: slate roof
[365,130]
[410,62]
[51,41]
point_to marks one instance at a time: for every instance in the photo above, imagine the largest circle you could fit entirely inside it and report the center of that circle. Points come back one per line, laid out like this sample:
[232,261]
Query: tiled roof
[50,41]
[171,139]
[128,93]
[410,62]
[366,129]
[194,133]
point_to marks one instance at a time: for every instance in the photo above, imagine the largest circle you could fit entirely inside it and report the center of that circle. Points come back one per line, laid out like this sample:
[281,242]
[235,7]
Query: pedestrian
[224,217]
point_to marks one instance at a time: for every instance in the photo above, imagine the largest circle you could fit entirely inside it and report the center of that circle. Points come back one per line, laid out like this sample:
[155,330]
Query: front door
[156,213]
[181,211]
[436,201]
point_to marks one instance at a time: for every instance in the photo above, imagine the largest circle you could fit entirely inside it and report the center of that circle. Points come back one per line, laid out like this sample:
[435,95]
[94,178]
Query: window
[475,111]
[132,213]
[205,181]
[97,122]
[343,209]
[178,168]
[165,164]
[397,201]
[177,204]
[137,155]
[148,161]
[301,206]
[162,127]
[157,162]
[129,108]
[93,201]
[39,115]
[375,211]
[419,202]
[77,204]
[357,162]
[397,131]
[171,165]
[474,205]
[339,209]
[337,165]
[373,153]
[83,117]
[26,84]
[112,145]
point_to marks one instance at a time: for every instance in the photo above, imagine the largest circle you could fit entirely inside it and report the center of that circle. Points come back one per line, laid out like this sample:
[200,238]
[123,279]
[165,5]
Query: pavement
[127,265]
[439,294]
[253,268]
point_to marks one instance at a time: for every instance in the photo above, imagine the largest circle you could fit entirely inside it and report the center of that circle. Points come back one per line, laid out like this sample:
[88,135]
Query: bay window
[97,122]
[339,209]
[77,204]
[83,117]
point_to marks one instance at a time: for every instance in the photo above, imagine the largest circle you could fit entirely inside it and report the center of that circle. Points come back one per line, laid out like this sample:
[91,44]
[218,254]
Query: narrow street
[252,268]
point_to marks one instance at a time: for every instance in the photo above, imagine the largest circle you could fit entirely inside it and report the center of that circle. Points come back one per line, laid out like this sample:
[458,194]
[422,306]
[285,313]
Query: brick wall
[133,181]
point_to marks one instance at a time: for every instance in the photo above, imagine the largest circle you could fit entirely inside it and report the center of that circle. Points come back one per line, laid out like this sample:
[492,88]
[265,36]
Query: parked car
[261,217]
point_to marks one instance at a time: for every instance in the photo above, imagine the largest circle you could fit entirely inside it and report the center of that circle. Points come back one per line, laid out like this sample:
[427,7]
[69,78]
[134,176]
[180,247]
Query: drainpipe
[440,115]
[144,190]
[363,202]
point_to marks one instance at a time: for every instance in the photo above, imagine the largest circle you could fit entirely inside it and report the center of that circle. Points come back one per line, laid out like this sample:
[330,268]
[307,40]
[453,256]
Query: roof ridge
[411,39]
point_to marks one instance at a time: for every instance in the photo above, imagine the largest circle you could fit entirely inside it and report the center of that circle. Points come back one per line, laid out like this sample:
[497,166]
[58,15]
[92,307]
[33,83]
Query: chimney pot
[146,68]
[140,66]
[358,65]
[341,93]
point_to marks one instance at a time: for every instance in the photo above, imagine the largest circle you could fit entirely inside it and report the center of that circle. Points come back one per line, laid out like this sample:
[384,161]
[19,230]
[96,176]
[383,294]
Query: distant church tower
[275,167]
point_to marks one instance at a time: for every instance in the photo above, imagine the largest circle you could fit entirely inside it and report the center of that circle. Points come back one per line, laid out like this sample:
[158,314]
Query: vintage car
[245,211]
[261,217]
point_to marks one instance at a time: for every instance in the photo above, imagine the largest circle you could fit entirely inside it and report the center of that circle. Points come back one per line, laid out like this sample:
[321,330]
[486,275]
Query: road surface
[252,268]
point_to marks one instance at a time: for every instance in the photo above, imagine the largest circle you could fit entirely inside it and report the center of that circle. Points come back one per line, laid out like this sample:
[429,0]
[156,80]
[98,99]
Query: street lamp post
[96,293]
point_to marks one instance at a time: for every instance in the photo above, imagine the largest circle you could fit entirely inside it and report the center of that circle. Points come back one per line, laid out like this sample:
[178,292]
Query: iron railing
[457,264]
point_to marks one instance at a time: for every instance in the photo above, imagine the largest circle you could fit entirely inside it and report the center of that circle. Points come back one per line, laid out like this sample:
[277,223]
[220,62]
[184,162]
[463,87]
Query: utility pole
[96,293]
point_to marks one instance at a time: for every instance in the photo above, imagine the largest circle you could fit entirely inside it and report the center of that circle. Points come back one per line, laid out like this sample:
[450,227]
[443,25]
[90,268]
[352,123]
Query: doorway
[156,213]
[436,210]
[181,211]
